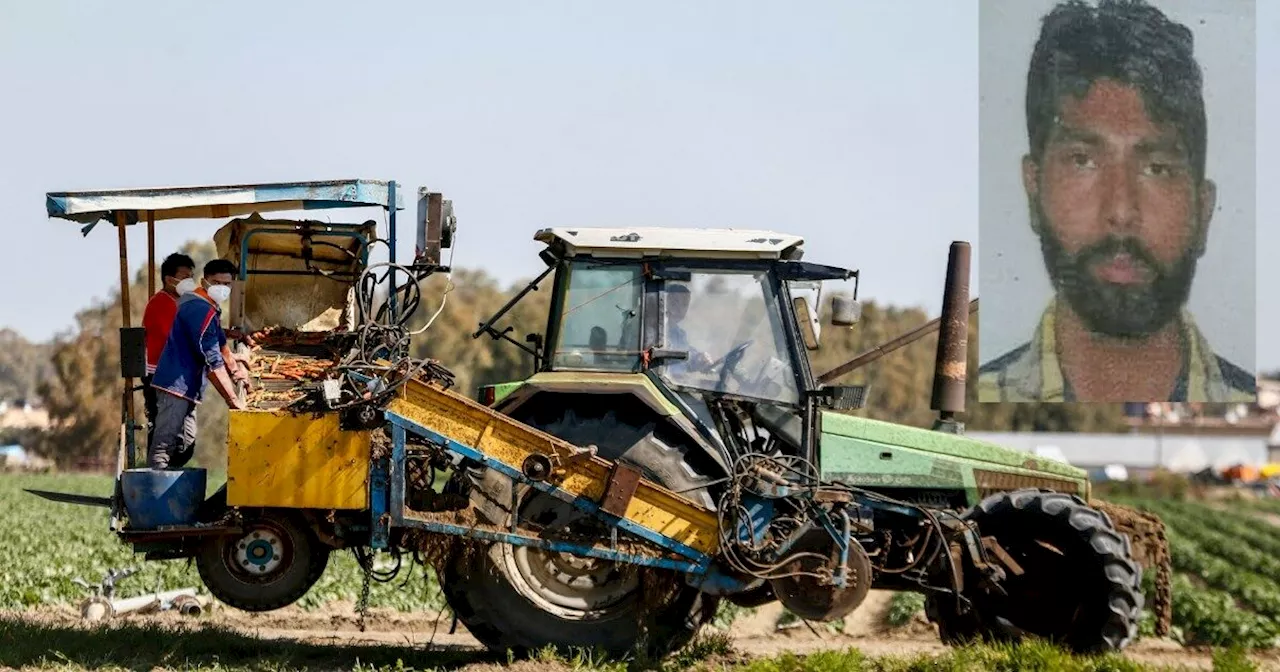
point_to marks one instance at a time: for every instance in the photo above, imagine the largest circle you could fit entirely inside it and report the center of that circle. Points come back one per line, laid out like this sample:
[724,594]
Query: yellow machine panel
[498,436]
[304,461]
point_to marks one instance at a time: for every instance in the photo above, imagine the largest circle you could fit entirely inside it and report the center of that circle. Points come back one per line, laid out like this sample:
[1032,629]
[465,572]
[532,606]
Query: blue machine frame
[387,507]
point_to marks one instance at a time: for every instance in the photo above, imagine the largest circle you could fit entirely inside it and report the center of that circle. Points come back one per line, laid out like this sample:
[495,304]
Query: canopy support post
[151,253]
[391,243]
[124,459]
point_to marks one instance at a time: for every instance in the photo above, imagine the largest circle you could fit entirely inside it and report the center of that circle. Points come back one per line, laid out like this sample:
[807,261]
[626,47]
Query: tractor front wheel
[1080,588]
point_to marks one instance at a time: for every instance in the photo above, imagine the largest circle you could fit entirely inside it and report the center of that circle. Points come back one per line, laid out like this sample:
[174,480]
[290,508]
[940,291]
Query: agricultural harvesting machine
[672,449]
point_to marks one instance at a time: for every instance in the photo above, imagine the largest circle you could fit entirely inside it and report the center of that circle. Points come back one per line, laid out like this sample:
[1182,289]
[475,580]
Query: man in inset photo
[1118,197]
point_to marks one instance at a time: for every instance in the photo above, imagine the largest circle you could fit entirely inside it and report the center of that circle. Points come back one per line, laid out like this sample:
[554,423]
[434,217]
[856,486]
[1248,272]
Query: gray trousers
[174,441]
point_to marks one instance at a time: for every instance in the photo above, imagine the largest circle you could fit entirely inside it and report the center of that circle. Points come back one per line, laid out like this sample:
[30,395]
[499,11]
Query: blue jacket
[194,348]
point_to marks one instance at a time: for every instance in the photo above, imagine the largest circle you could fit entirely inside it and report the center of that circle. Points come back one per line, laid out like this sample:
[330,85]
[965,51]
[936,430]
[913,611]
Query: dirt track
[753,635]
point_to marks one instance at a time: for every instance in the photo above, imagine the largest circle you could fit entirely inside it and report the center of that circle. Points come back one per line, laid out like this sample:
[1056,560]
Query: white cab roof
[666,241]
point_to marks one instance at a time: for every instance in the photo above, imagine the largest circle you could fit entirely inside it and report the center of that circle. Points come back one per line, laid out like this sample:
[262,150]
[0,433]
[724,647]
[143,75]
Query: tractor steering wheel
[734,353]
[731,360]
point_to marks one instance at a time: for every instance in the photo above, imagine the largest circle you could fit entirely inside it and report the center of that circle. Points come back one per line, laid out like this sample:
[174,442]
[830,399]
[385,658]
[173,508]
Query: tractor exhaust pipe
[949,374]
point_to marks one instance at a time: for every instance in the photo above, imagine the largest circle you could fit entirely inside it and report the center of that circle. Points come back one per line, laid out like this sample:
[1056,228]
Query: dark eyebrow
[1163,144]
[1065,133]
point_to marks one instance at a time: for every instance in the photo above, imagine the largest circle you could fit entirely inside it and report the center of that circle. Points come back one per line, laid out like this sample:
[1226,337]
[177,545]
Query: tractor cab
[701,325]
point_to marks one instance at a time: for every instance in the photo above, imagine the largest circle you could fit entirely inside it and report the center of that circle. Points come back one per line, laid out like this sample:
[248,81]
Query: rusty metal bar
[620,489]
[953,337]
[151,252]
[126,317]
[885,348]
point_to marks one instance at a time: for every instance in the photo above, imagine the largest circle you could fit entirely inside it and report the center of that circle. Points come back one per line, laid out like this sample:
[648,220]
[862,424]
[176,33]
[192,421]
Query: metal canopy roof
[655,241]
[218,202]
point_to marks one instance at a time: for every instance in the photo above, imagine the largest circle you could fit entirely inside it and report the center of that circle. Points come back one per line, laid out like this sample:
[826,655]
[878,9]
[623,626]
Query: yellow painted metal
[498,436]
[278,459]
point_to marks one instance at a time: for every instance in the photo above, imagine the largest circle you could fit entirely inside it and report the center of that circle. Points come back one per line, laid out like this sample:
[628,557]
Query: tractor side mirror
[845,312]
[810,331]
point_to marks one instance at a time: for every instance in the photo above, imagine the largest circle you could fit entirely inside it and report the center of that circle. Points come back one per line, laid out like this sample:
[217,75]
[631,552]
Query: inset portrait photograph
[1117,180]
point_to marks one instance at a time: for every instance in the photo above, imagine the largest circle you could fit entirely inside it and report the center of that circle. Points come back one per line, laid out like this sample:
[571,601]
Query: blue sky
[853,124]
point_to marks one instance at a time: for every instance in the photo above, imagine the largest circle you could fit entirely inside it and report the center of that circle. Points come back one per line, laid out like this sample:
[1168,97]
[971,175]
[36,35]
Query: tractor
[615,373]
[672,448]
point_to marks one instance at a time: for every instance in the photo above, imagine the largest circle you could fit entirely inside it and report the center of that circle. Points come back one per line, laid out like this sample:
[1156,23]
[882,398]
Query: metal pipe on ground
[98,608]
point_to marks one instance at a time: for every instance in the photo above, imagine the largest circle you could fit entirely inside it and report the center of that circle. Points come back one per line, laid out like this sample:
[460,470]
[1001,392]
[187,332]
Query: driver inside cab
[677,305]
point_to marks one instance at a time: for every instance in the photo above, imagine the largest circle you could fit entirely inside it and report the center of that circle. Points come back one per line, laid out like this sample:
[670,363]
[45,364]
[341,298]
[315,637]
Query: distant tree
[23,365]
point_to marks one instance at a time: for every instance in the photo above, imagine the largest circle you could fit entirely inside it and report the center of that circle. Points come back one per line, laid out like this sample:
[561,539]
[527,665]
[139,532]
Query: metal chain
[362,607]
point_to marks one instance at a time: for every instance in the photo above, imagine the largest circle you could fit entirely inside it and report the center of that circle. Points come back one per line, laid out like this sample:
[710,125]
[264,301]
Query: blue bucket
[155,498]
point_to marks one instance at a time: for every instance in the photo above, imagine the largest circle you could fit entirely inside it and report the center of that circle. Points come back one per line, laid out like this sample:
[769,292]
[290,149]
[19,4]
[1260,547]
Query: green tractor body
[685,352]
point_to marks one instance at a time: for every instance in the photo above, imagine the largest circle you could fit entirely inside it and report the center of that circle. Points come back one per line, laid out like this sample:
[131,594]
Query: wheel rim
[567,585]
[260,554]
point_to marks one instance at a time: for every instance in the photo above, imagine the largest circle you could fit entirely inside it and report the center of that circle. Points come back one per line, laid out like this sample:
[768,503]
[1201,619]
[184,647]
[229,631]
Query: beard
[1120,311]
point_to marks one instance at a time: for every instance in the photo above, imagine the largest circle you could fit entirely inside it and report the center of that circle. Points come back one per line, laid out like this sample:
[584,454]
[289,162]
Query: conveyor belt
[440,415]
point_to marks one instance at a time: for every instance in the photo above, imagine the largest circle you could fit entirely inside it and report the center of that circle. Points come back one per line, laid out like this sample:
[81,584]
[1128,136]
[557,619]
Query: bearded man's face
[1118,212]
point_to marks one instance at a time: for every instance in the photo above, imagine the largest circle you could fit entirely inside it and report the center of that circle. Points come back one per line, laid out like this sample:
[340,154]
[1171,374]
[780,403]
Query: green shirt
[1031,372]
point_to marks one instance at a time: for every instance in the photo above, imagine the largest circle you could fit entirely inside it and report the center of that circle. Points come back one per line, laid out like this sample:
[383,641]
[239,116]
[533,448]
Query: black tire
[1081,588]
[491,588]
[215,507]
[302,561]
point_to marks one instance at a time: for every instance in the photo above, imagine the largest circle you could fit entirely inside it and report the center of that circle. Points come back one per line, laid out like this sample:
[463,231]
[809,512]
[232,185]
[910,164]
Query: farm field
[1226,557]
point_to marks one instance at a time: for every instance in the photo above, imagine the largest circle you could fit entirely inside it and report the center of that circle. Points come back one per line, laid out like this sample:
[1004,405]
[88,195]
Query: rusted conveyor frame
[464,428]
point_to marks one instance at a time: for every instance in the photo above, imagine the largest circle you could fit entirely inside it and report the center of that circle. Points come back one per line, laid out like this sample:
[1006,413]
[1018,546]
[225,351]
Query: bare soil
[754,635]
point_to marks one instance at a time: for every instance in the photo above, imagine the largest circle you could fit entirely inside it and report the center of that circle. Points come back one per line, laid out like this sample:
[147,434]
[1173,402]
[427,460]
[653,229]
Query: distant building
[1139,454]
[23,414]
[16,458]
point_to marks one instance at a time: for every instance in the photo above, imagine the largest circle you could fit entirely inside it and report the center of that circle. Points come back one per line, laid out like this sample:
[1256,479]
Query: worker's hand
[222,382]
[241,375]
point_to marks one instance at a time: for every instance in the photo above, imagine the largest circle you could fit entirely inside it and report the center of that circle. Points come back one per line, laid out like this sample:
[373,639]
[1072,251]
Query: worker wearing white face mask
[175,280]
[196,350]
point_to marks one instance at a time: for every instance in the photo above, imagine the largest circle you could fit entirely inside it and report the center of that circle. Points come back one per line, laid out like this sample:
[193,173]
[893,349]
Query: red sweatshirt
[157,320]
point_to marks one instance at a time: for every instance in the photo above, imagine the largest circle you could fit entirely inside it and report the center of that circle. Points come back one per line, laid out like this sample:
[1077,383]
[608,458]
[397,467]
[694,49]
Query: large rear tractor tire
[1080,588]
[272,565]
[522,599]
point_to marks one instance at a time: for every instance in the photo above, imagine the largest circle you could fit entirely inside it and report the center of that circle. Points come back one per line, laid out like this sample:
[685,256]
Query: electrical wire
[444,297]
[744,555]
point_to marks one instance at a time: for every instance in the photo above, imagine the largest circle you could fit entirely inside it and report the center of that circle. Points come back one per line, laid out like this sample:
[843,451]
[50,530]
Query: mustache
[1113,245]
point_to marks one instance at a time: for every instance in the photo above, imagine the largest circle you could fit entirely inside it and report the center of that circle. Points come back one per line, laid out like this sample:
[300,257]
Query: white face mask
[185,286]
[219,293]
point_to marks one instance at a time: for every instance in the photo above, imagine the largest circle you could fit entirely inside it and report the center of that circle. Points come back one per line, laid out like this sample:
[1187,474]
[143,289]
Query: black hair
[1125,40]
[169,267]
[216,266]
